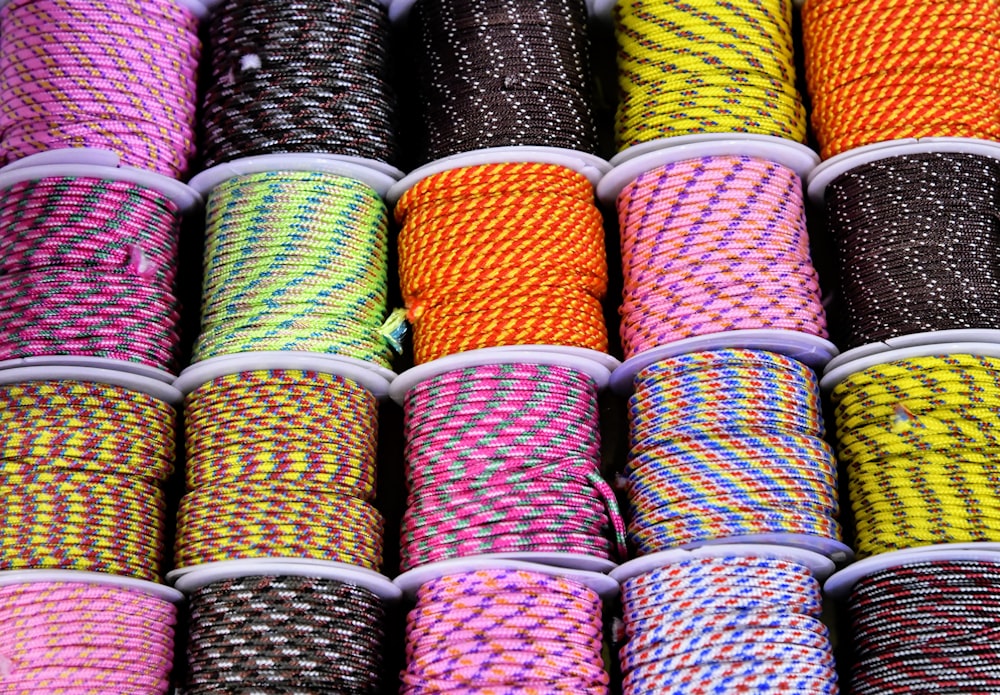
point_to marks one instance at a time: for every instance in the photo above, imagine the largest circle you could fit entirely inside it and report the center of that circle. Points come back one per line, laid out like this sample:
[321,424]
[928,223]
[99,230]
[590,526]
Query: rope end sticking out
[395,329]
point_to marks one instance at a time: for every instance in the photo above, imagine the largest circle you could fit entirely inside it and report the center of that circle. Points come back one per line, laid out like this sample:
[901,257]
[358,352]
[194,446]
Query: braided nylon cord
[84,467]
[727,443]
[506,458]
[883,70]
[84,639]
[295,261]
[87,268]
[280,463]
[706,66]
[503,631]
[502,254]
[118,75]
[918,438]
[715,244]
[711,626]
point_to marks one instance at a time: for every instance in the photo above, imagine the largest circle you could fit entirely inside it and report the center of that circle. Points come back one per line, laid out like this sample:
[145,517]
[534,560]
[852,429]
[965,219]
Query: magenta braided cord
[502,631]
[506,458]
[84,639]
[87,268]
[119,75]
[715,244]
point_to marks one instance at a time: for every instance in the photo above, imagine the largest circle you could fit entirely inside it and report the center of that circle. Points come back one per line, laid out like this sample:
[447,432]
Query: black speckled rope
[929,627]
[496,73]
[918,239]
[299,76]
[280,635]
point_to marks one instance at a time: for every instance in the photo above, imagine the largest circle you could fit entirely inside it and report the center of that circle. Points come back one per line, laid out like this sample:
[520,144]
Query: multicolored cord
[506,458]
[502,254]
[280,463]
[727,443]
[504,631]
[715,244]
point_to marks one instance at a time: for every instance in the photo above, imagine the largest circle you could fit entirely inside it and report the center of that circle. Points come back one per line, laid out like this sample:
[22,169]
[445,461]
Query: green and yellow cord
[280,463]
[920,439]
[295,261]
[688,67]
[83,469]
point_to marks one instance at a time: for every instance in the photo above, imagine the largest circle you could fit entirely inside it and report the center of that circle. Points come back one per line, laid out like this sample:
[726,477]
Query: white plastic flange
[834,376]
[152,387]
[159,591]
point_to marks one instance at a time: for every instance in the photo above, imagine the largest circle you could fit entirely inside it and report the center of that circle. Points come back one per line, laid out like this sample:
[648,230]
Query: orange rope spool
[502,254]
[888,69]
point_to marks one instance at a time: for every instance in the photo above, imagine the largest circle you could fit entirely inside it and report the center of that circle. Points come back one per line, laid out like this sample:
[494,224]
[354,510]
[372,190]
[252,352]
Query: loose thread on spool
[90,639]
[306,77]
[917,238]
[295,261]
[725,624]
[706,66]
[715,244]
[84,466]
[506,458]
[87,269]
[918,439]
[502,254]
[284,634]
[280,463]
[500,74]
[878,72]
[502,630]
[727,443]
[926,627]
[117,75]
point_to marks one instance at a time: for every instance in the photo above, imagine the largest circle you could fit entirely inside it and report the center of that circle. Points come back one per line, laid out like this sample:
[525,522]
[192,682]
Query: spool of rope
[87,269]
[706,66]
[295,261]
[715,244]
[926,627]
[284,634]
[84,466]
[502,254]
[918,437]
[499,74]
[496,630]
[726,625]
[874,75]
[280,463]
[303,76]
[118,75]
[728,443]
[917,237]
[506,458]
[90,639]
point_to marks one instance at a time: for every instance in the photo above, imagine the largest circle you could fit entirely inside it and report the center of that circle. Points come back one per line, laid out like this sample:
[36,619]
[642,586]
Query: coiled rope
[302,76]
[727,443]
[280,463]
[927,627]
[88,639]
[706,66]
[497,74]
[715,244]
[918,438]
[504,630]
[917,238]
[506,458]
[875,75]
[87,268]
[726,625]
[283,635]
[113,74]
[295,261]
[84,466]
[502,254]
